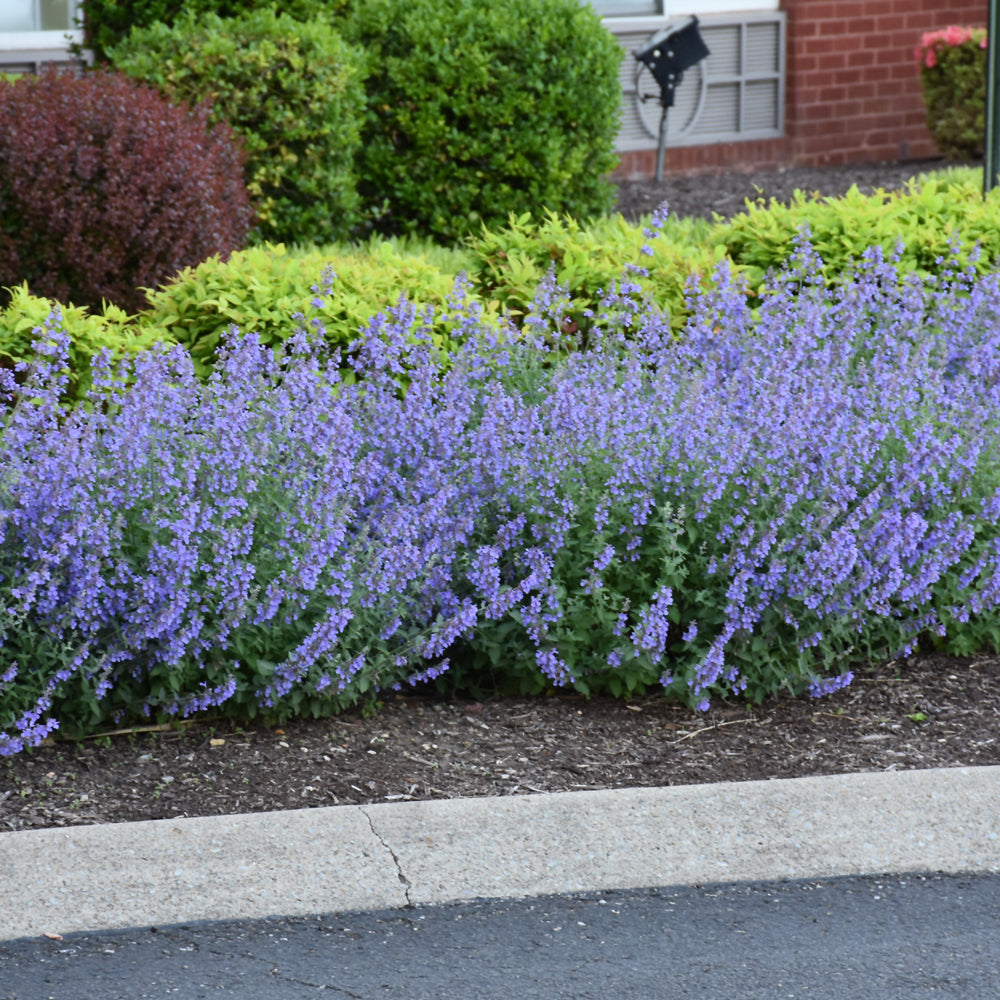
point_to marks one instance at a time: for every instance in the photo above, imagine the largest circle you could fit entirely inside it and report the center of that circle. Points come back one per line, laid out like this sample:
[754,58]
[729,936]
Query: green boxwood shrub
[108,22]
[478,109]
[953,78]
[24,319]
[270,291]
[510,262]
[927,217]
[292,89]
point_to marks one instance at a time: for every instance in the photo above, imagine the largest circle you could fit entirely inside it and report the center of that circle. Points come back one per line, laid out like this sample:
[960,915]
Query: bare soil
[928,711]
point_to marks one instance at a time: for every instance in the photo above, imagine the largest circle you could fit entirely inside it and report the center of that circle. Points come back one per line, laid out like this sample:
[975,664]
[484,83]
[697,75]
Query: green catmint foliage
[767,503]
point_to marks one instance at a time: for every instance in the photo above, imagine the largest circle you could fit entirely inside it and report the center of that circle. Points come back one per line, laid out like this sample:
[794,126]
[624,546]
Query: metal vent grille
[737,93]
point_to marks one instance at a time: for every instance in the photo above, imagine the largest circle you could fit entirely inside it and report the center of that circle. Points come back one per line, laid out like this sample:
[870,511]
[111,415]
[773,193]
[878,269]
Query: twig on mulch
[718,725]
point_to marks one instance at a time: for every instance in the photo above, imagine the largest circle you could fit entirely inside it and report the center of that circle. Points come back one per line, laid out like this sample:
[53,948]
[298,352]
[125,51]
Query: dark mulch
[727,193]
[930,711]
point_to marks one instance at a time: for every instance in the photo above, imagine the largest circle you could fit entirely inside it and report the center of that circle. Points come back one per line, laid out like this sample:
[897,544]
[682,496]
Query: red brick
[820,128]
[886,23]
[821,46]
[830,29]
[830,94]
[804,96]
[876,42]
[801,64]
[818,11]
[821,79]
[877,74]
[861,26]
[834,61]
[847,9]
[858,59]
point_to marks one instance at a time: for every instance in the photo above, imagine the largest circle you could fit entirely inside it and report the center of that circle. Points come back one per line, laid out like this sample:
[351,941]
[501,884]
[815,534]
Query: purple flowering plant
[764,503]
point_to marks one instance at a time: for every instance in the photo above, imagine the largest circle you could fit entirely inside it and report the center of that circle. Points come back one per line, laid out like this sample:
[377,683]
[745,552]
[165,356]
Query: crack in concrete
[399,868]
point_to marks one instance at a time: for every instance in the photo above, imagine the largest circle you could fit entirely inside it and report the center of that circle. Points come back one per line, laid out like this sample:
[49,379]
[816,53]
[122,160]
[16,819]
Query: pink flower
[954,35]
[931,42]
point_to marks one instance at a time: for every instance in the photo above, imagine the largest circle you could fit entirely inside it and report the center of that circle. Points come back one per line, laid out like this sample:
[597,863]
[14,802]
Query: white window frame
[36,16]
[26,51]
[672,10]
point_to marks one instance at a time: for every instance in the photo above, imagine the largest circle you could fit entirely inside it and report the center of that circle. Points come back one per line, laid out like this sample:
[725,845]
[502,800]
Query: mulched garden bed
[929,711]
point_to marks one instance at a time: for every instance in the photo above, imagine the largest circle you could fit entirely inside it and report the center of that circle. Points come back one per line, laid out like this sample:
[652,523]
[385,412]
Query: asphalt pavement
[876,885]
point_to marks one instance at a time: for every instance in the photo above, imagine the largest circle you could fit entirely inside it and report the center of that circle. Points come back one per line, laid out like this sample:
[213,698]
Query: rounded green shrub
[106,187]
[273,291]
[108,22]
[24,321]
[291,89]
[477,109]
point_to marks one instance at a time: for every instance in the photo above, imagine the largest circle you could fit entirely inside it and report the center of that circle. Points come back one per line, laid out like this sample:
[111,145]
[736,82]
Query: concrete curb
[346,858]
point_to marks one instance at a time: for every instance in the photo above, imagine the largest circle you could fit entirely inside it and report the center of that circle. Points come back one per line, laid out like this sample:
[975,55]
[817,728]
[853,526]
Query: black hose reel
[673,49]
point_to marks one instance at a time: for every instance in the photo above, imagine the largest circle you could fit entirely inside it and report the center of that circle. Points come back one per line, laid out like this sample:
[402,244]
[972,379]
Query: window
[736,93]
[37,15]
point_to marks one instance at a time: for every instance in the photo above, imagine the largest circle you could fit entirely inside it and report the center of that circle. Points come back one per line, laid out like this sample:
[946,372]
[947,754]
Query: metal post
[662,142]
[991,145]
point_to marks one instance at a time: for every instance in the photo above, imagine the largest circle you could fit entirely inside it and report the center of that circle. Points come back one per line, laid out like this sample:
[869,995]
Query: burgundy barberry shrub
[106,188]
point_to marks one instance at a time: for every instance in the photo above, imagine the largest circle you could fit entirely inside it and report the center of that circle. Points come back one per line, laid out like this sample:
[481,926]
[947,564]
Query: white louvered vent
[736,93]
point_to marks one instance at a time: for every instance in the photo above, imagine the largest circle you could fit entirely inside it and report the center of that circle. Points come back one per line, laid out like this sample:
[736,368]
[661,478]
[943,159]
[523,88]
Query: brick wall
[852,90]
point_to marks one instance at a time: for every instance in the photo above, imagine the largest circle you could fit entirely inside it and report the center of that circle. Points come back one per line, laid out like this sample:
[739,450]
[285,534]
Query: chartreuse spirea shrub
[25,318]
[776,497]
[478,109]
[291,89]
[106,187]
[272,290]
[952,64]
[928,220]
[508,264]
[107,22]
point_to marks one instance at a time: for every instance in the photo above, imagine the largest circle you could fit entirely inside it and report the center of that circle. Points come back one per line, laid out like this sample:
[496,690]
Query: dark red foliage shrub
[106,188]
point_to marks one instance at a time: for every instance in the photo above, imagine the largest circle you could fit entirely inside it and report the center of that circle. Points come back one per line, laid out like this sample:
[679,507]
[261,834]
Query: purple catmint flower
[819,688]
[804,477]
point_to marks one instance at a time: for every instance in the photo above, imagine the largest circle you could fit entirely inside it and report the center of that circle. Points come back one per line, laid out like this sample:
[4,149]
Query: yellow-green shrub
[510,262]
[927,217]
[269,290]
[23,321]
